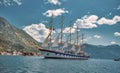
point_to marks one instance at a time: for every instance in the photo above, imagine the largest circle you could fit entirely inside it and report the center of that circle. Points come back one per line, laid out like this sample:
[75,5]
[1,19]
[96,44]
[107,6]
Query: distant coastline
[18,53]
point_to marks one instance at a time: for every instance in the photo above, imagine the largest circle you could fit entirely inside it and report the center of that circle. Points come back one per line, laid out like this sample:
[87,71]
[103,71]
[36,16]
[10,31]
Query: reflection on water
[21,64]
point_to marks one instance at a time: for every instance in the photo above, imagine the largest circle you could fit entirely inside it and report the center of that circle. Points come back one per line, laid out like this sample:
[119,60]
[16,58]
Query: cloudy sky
[99,20]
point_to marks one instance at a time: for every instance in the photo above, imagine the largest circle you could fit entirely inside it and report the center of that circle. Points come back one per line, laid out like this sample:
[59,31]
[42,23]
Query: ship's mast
[82,46]
[61,33]
[50,30]
[70,33]
[77,36]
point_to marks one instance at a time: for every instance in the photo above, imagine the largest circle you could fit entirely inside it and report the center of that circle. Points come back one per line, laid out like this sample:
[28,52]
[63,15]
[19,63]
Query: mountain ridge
[103,52]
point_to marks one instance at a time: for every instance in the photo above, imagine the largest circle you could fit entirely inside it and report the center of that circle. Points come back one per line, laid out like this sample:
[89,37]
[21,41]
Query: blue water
[21,64]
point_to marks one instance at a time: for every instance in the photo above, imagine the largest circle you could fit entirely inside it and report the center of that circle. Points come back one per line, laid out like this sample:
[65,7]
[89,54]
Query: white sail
[45,43]
[56,42]
[66,44]
[79,51]
[73,48]
[48,39]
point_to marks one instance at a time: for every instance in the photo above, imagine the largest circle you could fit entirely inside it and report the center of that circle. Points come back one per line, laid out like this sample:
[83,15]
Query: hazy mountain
[13,38]
[105,52]
[102,52]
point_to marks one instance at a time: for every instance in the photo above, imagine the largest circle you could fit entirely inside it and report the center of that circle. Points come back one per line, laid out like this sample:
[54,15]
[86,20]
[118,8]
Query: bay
[31,64]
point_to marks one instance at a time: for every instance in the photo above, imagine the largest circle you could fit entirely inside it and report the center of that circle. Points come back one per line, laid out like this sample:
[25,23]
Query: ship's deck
[61,53]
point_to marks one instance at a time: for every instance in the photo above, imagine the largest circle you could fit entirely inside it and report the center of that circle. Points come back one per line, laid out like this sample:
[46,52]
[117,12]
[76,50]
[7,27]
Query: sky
[99,20]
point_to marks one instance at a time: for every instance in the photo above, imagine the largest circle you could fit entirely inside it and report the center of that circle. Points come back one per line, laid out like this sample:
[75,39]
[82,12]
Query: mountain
[103,52]
[12,38]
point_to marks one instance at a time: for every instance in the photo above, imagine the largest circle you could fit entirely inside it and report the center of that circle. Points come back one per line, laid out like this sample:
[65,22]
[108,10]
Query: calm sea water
[21,64]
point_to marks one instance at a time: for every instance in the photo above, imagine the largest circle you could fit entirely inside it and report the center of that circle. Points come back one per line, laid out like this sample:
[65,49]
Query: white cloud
[56,12]
[67,30]
[92,21]
[112,42]
[55,2]
[116,18]
[103,20]
[10,2]
[18,2]
[97,36]
[38,31]
[86,22]
[118,8]
[117,34]
[113,21]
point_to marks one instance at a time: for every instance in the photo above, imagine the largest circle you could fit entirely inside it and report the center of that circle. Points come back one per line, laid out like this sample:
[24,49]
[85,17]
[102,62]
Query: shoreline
[18,53]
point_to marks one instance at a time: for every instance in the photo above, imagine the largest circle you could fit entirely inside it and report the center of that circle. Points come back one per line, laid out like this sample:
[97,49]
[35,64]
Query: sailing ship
[66,50]
[63,50]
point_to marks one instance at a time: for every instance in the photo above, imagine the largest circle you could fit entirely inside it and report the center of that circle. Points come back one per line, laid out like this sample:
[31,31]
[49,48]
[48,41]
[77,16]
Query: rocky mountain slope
[12,38]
